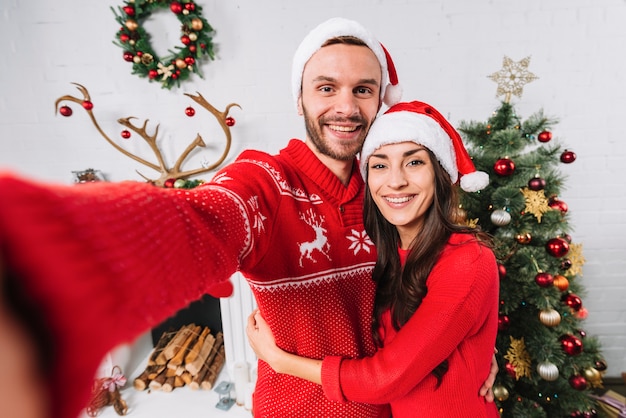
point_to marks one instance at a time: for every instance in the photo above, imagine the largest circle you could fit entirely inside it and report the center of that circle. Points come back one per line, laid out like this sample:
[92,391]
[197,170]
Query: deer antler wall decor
[168,174]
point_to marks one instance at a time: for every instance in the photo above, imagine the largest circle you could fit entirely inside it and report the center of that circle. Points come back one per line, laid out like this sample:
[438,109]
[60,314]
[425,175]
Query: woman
[436,307]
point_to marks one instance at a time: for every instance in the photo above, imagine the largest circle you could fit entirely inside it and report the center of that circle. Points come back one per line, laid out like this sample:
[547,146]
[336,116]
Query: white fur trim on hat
[333,28]
[396,127]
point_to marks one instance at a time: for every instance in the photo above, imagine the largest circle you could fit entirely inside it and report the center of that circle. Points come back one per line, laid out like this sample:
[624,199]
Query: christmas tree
[548,365]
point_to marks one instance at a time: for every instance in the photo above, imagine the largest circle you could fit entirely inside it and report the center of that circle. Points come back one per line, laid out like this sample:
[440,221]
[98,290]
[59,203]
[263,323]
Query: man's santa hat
[421,123]
[390,91]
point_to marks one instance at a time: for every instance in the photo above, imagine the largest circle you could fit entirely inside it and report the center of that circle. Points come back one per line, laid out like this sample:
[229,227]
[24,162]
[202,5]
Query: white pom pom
[393,94]
[473,182]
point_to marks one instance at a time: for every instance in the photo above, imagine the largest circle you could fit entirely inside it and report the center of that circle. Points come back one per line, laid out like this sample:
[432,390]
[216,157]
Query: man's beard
[346,153]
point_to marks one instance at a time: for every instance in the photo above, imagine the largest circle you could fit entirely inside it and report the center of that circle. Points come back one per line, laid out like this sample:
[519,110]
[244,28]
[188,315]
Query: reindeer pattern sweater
[456,321]
[104,262]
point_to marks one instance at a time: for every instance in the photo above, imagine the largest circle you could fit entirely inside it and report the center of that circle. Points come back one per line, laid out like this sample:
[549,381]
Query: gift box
[611,405]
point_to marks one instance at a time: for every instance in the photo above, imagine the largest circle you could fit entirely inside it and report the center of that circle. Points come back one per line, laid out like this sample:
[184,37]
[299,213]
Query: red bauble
[571,345]
[190,111]
[129,10]
[169,183]
[600,365]
[568,157]
[545,136]
[124,38]
[578,382]
[176,7]
[536,184]
[230,121]
[185,39]
[504,167]
[510,370]
[566,264]
[87,105]
[65,111]
[128,56]
[190,60]
[501,271]
[557,247]
[125,134]
[153,74]
[544,279]
[557,204]
[573,301]
[504,322]
[192,49]
[190,6]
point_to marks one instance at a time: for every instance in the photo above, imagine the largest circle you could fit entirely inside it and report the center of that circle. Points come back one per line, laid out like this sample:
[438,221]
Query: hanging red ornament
[561,282]
[87,105]
[169,183]
[65,111]
[176,7]
[509,368]
[568,157]
[544,279]
[125,134]
[557,204]
[557,247]
[504,167]
[600,365]
[524,238]
[582,332]
[573,301]
[536,184]
[230,121]
[582,313]
[566,264]
[545,136]
[190,111]
[504,322]
[578,382]
[501,271]
[571,345]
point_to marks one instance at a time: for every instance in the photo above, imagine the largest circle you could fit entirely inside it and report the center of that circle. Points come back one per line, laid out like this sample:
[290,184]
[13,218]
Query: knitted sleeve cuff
[331,384]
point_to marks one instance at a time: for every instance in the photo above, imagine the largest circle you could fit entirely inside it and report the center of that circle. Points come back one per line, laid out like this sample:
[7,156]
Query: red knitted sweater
[106,261]
[457,321]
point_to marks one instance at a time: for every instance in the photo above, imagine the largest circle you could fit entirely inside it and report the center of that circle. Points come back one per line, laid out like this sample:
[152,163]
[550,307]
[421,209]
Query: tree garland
[135,41]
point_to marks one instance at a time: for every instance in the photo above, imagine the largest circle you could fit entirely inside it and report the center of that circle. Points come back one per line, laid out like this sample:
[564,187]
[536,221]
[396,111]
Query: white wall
[444,51]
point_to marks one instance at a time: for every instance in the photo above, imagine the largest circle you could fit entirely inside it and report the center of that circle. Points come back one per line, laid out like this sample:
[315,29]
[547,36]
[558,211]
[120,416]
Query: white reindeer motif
[320,242]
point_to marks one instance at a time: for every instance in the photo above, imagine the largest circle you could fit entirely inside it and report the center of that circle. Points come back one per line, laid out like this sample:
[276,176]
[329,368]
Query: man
[103,262]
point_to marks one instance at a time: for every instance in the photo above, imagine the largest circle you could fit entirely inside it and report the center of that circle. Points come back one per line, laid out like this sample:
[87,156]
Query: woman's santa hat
[390,91]
[421,123]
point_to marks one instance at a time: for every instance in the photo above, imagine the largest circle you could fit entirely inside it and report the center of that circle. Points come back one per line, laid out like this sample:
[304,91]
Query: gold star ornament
[512,77]
[536,202]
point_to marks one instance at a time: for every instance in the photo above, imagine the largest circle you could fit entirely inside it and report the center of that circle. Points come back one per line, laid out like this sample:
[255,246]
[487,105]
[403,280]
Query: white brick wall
[443,51]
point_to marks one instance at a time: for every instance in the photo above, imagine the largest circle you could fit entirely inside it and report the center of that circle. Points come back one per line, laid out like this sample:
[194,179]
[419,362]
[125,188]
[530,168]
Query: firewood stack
[190,356]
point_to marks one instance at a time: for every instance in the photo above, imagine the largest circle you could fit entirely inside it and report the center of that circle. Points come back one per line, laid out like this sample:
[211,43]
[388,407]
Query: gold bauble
[180,63]
[193,37]
[196,24]
[501,393]
[524,238]
[592,375]
[132,25]
[136,59]
[549,317]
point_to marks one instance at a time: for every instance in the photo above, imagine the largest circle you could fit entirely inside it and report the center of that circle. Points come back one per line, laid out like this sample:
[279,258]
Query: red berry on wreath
[129,10]
[545,136]
[185,40]
[87,105]
[190,60]
[190,111]
[128,56]
[176,7]
[153,74]
[230,121]
[65,111]
[190,6]
[124,38]
[125,134]
[192,49]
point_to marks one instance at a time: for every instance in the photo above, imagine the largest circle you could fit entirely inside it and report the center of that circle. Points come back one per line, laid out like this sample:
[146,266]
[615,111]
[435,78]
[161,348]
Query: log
[194,366]
[190,337]
[195,349]
[165,338]
[214,370]
[174,345]
[198,378]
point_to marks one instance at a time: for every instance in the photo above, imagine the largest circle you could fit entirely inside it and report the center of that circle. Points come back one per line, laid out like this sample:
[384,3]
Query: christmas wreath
[196,41]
